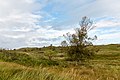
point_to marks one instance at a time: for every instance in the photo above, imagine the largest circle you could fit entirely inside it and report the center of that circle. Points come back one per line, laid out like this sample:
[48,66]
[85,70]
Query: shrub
[78,42]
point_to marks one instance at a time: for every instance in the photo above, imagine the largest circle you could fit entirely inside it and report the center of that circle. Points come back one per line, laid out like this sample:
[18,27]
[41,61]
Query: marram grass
[12,71]
[17,65]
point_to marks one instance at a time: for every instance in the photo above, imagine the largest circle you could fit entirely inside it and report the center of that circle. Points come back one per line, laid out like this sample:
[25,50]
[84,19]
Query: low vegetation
[34,64]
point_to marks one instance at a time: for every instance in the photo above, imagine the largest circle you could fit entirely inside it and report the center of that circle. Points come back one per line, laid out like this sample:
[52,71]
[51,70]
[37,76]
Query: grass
[98,72]
[19,72]
[34,64]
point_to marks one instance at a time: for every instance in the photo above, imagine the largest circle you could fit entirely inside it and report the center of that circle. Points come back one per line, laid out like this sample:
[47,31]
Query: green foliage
[79,41]
[80,54]
[24,59]
[50,54]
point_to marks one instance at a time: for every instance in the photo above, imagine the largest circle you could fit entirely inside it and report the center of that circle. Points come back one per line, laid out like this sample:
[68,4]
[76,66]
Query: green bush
[77,53]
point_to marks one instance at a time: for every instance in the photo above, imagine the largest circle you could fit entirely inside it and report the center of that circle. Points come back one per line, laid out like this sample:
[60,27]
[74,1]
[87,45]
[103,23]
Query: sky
[37,23]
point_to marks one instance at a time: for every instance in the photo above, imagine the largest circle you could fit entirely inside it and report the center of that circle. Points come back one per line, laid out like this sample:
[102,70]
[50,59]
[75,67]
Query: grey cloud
[6,42]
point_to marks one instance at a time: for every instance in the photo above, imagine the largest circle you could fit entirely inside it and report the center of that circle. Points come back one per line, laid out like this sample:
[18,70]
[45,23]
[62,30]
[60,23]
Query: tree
[64,44]
[79,41]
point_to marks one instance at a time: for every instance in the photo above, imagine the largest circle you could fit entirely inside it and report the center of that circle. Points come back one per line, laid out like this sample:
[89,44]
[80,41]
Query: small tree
[79,41]
[64,44]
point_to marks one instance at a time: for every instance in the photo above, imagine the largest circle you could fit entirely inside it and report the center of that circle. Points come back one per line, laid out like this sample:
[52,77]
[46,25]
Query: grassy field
[43,64]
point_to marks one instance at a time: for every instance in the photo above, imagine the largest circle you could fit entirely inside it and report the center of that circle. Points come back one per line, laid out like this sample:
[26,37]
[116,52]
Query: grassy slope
[105,66]
[13,71]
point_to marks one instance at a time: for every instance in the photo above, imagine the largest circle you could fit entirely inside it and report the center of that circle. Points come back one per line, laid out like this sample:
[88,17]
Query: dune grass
[33,64]
[13,71]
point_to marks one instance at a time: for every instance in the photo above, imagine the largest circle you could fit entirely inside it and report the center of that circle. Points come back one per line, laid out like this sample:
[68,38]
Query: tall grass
[12,71]
[20,65]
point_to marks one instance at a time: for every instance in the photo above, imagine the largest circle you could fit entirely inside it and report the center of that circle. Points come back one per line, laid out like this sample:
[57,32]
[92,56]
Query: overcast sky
[30,23]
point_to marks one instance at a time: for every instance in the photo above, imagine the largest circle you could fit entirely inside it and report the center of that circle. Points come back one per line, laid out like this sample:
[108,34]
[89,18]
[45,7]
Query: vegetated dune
[35,65]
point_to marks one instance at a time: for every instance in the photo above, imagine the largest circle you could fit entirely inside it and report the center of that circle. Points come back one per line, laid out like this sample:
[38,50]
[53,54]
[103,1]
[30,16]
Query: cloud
[71,11]
[17,20]
[111,38]
[40,23]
